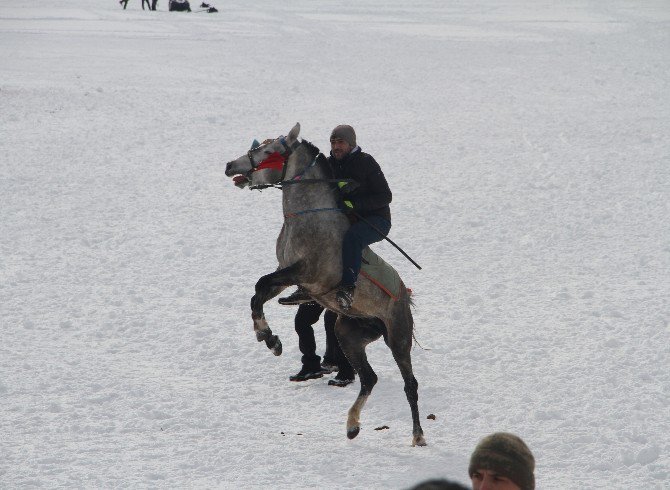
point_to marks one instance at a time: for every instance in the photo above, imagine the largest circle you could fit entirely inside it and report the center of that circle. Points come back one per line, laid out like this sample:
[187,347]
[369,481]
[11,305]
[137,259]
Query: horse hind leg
[353,337]
[400,343]
[411,391]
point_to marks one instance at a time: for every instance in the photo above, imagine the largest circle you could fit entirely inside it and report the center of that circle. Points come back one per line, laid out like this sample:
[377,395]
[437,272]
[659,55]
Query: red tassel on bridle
[274,161]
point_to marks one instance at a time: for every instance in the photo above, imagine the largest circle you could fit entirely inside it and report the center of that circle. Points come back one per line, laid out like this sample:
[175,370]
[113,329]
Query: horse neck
[299,162]
[302,197]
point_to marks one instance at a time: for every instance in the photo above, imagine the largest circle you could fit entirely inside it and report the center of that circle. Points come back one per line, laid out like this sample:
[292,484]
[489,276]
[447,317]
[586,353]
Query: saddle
[380,273]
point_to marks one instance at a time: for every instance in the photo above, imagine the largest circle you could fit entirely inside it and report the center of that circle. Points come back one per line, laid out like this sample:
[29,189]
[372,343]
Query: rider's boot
[345,296]
[297,297]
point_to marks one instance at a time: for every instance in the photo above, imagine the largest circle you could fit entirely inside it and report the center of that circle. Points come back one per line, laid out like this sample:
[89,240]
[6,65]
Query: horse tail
[408,298]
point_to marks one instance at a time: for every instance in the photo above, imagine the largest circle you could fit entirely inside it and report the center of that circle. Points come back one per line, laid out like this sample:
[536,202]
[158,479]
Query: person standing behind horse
[333,359]
[368,196]
[308,314]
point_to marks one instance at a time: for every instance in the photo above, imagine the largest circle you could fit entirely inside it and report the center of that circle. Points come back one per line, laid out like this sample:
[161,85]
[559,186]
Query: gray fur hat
[345,132]
[507,455]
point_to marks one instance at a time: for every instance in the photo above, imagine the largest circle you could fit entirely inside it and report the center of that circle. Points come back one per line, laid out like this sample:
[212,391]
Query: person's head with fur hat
[342,141]
[502,461]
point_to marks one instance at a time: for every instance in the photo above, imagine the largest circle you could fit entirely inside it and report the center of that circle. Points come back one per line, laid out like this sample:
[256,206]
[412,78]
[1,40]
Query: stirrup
[345,296]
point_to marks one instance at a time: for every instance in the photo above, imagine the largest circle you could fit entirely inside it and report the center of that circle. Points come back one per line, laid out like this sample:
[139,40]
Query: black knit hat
[507,455]
[345,132]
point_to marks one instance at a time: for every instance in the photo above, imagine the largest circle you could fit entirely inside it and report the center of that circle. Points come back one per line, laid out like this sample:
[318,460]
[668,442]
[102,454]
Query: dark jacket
[373,196]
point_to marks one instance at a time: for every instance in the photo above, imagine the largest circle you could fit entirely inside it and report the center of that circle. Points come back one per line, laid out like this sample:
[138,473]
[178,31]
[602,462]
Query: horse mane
[321,158]
[310,146]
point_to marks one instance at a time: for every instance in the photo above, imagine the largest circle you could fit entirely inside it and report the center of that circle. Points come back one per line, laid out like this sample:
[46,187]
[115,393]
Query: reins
[279,185]
[307,211]
[299,180]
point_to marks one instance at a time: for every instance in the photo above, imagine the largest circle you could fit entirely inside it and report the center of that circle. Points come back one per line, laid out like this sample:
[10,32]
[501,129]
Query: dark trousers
[308,314]
[360,235]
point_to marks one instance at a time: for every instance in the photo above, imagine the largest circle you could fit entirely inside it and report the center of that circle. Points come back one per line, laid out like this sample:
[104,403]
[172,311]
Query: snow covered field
[527,145]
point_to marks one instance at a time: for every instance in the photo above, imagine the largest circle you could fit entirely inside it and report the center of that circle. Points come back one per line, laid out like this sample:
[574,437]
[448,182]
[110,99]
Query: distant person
[502,461]
[125,4]
[179,6]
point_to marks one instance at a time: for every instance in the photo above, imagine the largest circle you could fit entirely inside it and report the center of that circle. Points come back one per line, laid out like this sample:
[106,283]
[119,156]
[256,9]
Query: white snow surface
[527,146]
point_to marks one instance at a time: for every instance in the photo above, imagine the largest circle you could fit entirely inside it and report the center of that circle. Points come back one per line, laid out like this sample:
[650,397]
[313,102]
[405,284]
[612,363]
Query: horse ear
[293,134]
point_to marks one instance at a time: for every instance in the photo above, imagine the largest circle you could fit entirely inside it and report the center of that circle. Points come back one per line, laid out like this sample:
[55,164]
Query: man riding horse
[369,195]
[309,253]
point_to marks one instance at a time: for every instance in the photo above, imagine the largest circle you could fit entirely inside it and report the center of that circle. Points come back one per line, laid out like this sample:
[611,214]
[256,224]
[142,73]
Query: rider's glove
[345,205]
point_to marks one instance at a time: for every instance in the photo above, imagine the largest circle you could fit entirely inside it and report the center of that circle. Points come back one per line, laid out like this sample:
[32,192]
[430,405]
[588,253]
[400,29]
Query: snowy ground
[527,145]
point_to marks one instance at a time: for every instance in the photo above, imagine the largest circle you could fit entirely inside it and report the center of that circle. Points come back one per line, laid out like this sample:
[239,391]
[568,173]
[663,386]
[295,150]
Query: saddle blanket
[380,273]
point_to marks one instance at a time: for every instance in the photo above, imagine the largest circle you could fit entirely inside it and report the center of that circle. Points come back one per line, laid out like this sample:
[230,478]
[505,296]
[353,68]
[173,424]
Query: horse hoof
[277,347]
[353,432]
[419,441]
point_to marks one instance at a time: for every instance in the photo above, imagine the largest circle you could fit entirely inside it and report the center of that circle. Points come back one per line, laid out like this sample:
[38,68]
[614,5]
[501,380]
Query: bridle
[288,149]
[297,179]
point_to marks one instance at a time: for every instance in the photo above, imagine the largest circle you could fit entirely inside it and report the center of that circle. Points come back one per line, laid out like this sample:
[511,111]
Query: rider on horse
[368,196]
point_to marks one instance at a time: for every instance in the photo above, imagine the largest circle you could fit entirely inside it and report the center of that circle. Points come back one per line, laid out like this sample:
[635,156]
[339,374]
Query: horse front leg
[267,288]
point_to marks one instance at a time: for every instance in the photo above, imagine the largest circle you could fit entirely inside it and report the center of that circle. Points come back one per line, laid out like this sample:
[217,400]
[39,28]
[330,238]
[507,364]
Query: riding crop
[385,238]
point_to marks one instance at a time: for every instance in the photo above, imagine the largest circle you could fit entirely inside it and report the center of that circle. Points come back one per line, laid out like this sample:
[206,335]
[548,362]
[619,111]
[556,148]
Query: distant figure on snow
[179,6]
[150,7]
[502,461]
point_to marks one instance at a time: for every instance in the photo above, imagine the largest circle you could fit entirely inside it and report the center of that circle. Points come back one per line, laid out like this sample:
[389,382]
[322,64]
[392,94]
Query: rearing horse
[309,251]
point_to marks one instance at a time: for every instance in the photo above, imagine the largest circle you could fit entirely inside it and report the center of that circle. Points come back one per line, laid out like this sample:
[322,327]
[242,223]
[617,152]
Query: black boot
[345,296]
[329,366]
[340,381]
[308,373]
[297,297]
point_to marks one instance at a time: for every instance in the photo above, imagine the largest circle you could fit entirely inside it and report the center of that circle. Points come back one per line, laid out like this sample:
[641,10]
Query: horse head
[264,165]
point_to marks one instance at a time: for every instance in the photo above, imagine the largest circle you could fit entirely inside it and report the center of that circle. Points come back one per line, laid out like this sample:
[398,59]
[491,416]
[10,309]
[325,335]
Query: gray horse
[309,255]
